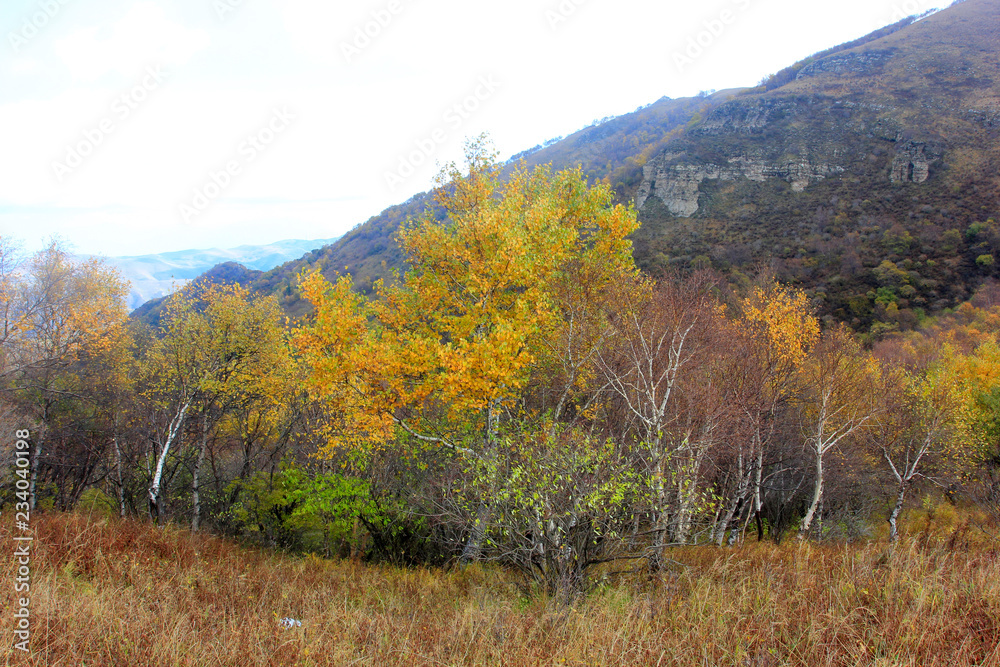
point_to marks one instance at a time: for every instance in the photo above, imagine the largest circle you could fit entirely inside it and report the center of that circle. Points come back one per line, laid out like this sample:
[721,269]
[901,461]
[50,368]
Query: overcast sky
[145,126]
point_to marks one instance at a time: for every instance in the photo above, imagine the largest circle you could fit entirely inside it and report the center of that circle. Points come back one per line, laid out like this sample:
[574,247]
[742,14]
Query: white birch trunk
[195,488]
[817,496]
[758,478]
[172,433]
[894,516]
[735,502]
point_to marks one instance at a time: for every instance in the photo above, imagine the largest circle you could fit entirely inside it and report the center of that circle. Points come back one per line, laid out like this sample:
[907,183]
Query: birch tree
[220,348]
[664,342]
[918,428]
[774,332]
[840,400]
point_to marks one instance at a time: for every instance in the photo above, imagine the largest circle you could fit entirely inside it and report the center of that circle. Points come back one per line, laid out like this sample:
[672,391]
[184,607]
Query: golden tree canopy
[439,352]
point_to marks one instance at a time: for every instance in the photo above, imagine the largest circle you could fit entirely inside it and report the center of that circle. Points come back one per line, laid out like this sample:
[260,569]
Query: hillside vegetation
[523,395]
[868,178]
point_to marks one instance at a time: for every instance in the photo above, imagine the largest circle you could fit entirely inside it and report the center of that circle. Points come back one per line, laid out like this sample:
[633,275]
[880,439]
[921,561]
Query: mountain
[868,174]
[153,276]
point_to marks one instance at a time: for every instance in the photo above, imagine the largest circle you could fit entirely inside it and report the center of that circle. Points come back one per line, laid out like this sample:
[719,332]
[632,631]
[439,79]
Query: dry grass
[127,593]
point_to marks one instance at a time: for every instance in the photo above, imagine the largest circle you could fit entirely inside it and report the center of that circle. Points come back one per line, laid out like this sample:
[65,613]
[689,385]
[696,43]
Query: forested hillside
[523,394]
[869,177]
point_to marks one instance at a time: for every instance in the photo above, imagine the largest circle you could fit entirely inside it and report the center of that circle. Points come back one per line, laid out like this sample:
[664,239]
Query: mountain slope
[868,174]
[870,178]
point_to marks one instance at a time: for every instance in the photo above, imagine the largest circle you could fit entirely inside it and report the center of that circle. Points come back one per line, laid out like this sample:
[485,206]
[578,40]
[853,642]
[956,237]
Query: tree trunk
[154,488]
[121,480]
[659,511]
[734,532]
[736,503]
[196,496]
[893,528]
[473,546]
[758,476]
[40,437]
[34,471]
[817,496]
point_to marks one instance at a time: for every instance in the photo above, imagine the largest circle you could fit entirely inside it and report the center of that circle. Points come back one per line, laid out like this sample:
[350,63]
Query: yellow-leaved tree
[919,428]
[221,350]
[53,309]
[508,279]
[444,350]
[774,332]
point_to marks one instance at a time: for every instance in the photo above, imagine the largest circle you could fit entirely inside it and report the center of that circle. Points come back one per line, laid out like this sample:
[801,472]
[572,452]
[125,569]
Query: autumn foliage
[550,408]
[520,395]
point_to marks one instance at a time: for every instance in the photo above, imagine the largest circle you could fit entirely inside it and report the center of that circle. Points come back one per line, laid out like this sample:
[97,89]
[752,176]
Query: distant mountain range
[153,276]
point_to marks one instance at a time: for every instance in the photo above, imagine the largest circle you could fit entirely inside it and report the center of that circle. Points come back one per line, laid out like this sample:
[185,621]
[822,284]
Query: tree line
[521,394]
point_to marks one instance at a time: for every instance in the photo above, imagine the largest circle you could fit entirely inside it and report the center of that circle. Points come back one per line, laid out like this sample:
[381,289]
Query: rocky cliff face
[912,163]
[866,63]
[757,139]
[799,140]
[678,186]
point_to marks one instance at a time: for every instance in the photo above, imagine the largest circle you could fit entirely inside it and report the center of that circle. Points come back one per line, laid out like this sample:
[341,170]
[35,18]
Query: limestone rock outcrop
[798,139]
[912,163]
[678,185]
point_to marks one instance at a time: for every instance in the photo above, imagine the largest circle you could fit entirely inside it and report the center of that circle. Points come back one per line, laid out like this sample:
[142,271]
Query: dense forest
[522,394]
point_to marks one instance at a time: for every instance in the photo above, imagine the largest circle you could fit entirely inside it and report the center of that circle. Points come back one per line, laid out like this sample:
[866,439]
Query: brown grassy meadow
[109,592]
